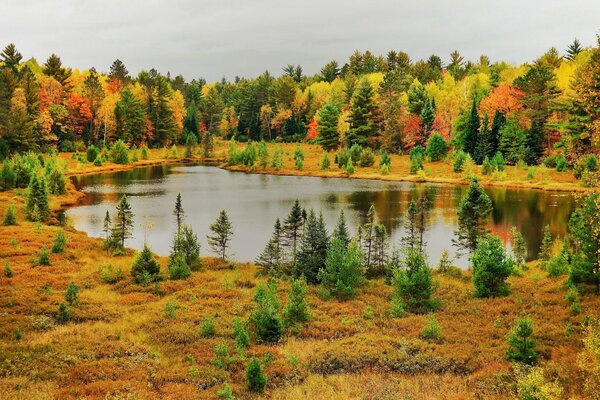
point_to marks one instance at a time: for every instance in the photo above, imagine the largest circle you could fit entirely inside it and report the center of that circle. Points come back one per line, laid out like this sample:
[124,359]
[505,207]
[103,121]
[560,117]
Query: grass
[129,341]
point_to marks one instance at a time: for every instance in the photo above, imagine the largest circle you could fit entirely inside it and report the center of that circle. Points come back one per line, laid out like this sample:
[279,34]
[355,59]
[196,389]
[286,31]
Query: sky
[227,38]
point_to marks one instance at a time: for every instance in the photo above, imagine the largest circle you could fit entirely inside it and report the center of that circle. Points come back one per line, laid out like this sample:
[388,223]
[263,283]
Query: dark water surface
[255,201]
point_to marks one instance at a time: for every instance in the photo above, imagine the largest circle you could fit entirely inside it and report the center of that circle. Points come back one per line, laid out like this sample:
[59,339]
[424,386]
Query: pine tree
[380,251]
[413,285]
[497,124]
[364,117]
[10,216]
[484,143]
[584,237]
[53,67]
[272,257]
[178,212]
[72,294]
[341,229]
[574,49]
[292,230]
[368,236]
[427,117]
[106,226]
[491,267]
[222,231]
[519,247]
[186,244]
[254,375]
[546,247]
[473,213]
[411,227]
[145,268]
[123,223]
[37,206]
[130,118]
[329,137]
[313,249]
[296,308]
[343,272]
[178,267]
[471,134]
[265,317]
[521,345]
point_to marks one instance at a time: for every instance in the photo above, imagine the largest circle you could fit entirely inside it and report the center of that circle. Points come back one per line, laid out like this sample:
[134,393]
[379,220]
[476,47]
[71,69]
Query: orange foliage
[79,112]
[412,131]
[504,98]
[312,129]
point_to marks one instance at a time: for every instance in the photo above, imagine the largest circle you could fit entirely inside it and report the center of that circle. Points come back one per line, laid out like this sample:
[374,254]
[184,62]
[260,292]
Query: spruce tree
[364,117]
[186,244]
[72,294]
[473,213]
[584,237]
[178,212]
[222,231]
[341,229]
[329,137]
[491,267]
[368,236]
[497,124]
[427,118]
[123,223]
[37,206]
[130,118]
[296,308]
[254,375]
[521,345]
[380,251]
[574,49]
[546,247]
[484,146]
[471,134]
[292,230]
[519,247]
[145,268]
[271,258]
[106,226]
[313,249]
[10,216]
[265,317]
[343,272]
[413,284]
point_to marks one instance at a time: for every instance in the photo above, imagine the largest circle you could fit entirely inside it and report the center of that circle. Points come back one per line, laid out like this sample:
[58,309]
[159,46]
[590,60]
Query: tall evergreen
[106,226]
[292,229]
[471,131]
[343,271]
[427,118]
[380,254]
[497,123]
[130,118]
[473,213]
[53,67]
[329,138]
[178,212]
[185,244]
[364,117]
[368,236]
[341,229]
[37,206]
[123,222]
[313,248]
[272,257]
[485,146]
[222,231]
[574,49]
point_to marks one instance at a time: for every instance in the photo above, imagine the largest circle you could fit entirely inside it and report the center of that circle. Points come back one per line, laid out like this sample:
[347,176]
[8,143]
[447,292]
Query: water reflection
[255,201]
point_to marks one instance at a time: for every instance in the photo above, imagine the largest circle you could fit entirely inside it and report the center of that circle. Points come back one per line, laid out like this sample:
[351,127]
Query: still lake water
[254,201]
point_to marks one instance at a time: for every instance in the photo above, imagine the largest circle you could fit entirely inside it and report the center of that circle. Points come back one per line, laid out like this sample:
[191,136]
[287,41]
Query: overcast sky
[225,38]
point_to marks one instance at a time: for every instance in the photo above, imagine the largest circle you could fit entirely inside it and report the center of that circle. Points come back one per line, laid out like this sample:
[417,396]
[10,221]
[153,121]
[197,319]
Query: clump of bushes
[119,154]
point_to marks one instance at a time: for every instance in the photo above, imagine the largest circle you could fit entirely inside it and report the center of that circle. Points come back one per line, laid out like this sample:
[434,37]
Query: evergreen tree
[37,206]
[10,216]
[178,212]
[546,247]
[368,236]
[471,131]
[123,223]
[519,247]
[145,268]
[436,147]
[222,231]
[534,144]
[130,118]
[53,67]
[106,226]
[272,257]
[494,138]
[573,50]
[427,118]
[473,213]
[521,345]
[491,267]
[313,248]
[254,375]
[413,285]
[178,267]
[292,230]
[364,117]
[265,317]
[118,73]
[341,229]
[160,112]
[296,308]
[329,137]
[585,242]
[11,57]
[484,143]
[185,243]
[380,255]
[72,294]
[343,271]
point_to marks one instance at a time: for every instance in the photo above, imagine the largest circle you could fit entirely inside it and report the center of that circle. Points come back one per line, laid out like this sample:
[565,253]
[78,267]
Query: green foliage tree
[222,232]
[329,137]
[272,257]
[10,216]
[296,308]
[240,334]
[521,345]
[364,117]
[119,154]
[519,246]
[471,133]
[436,147]
[341,229]
[584,234]
[343,272]
[491,267]
[473,213]
[145,268]
[130,118]
[72,294]
[123,223]
[313,249]
[255,377]
[185,243]
[178,267]
[265,317]
[413,284]
[60,240]
[546,247]
[37,206]
[178,212]
[292,230]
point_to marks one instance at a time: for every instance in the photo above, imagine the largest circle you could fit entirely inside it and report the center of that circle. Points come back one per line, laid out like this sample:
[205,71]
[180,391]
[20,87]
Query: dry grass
[121,344]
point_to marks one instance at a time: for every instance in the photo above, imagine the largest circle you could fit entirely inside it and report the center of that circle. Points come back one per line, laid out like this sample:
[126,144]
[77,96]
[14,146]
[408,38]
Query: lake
[254,201]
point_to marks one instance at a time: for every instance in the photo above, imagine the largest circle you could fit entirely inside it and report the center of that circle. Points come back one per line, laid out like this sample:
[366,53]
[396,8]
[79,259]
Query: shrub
[498,161]
[557,266]
[223,360]
[254,375]
[487,167]
[265,316]
[145,267]
[92,153]
[119,154]
[367,158]
[10,216]
[590,179]
[144,153]
[60,240]
[436,147]
[171,309]
[108,275]
[98,162]
[550,161]
[432,331]
[413,284]
[519,247]
[57,183]
[325,163]
[561,163]
[226,393]
[63,315]
[384,169]
[178,268]
[385,159]
[343,272]
[277,162]
[417,157]
[521,346]
[44,257]
[72,294]
[263,155]
[8,272]
[349,167]
[296,308]
[458,161]
[491,267]
[240,334]
[207,327]
[299,157]
[533,385]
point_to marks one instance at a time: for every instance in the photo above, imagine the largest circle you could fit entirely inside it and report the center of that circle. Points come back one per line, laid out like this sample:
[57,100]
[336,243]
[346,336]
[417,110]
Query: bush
[263,155]
[119,154]
[63,315]
[44,257]
[240,335]
[487,167]
[521,346]
[384,169]
[349,167]
[178,268]
[550,161]
[207,327]
[254,375]
[265,316]
[385,159]
[343,272]
[561,163]
[296,308]
[98,161]
[498,162]
[436,147]
[557,266]
[277,162]
[417,156]
[145,267]
[108,275]
[57,183]
[8,272]
[413,284]
[92,153]
[458,161]
[491,267]
[144,153]
[59,242]
[432,331]
[325,163]
[299,157]
[226,393]
[72,294]
[533,385]
[367,158]
[10,216]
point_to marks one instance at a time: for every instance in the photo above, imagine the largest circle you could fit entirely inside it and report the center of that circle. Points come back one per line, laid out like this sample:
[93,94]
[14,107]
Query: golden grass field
[122,345]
